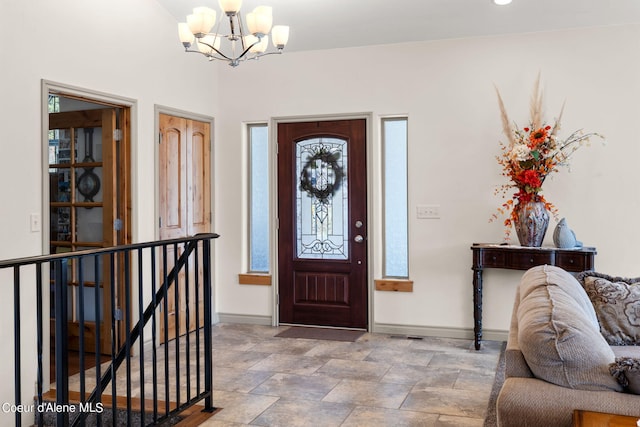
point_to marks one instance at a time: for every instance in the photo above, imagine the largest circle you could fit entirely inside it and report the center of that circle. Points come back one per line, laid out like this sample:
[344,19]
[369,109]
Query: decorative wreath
[306,184]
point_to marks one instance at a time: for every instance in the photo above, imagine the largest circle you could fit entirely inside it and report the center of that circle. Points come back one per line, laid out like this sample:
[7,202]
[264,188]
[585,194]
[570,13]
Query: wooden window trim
[254,279]
[394,285]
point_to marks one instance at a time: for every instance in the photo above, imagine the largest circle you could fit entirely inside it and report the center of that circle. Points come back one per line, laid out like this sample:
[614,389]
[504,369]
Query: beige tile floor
[379,380]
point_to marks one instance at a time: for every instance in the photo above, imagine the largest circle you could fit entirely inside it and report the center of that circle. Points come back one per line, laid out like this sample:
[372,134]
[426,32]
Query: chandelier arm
[233,35]
[242,55]
[217,33]
[241,27]
[214,49]
[222,56]
[228,58]
[278,52]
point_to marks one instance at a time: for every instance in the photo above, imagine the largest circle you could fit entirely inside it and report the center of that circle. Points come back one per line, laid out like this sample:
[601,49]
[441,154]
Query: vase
[532,223]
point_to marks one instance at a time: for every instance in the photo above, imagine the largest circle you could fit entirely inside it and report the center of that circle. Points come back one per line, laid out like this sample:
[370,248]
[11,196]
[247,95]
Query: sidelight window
[258,198]
[394,143]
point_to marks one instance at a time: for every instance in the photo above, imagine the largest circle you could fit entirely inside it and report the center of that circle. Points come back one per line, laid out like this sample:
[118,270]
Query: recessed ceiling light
[501,2]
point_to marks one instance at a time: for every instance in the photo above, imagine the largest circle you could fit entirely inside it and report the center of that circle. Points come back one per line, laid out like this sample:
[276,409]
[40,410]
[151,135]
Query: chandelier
[197,36]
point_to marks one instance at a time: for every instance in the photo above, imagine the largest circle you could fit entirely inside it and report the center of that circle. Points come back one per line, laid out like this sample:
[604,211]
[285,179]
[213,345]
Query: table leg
[477,306]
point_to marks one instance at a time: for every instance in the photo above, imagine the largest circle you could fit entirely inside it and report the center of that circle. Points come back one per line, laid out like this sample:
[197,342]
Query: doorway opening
[88,205]
[184,207]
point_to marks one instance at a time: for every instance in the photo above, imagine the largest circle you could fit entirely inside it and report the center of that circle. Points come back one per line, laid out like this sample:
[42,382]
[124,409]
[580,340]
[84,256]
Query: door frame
[371,201]
[62,89]
[162,109]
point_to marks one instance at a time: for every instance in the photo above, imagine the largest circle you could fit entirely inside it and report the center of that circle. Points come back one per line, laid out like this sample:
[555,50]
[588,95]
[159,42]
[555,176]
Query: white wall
[124,48]
[445,87]
[447,90]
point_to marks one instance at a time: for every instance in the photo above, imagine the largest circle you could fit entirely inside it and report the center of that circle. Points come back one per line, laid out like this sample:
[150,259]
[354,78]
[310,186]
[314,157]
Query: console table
[583,418]
[512,257]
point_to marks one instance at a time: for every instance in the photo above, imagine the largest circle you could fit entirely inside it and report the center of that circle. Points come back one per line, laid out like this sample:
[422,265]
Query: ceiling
[329,24]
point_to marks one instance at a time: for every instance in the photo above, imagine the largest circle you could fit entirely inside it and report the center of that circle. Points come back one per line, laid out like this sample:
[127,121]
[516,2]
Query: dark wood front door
[322,214]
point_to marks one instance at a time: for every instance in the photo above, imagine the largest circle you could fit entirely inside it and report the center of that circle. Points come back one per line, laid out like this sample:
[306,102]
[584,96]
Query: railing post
[208,356]
[16,335]
[60,265]
[39,339]
[61,341]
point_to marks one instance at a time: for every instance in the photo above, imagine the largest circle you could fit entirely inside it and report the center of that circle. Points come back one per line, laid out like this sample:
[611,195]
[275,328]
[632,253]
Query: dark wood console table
[520,258]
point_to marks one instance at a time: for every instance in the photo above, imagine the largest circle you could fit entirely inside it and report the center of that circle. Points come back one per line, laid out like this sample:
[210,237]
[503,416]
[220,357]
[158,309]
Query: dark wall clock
[88,183]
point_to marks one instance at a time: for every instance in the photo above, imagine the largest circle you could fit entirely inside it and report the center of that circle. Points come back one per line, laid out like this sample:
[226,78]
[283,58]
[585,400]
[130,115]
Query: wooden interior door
[185,208]
[322,215]
[84,207]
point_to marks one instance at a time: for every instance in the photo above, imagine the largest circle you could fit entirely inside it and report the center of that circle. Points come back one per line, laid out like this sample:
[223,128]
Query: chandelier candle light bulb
[201,21]
[230,7]
[280,35]
[259,21]
[196,34]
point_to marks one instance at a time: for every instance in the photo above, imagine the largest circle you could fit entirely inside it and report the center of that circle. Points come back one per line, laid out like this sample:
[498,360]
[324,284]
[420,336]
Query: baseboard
[495,335]
[244,318]
[384,328]
[442,332]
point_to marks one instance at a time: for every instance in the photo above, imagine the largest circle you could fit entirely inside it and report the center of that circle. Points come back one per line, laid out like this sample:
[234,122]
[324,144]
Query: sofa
[557,359]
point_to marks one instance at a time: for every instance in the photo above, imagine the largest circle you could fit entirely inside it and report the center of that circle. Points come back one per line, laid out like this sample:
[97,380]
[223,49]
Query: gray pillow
[627,371]
[616,301]
[559,334]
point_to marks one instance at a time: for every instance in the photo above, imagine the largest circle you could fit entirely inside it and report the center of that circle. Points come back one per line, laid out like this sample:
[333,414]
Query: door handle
[358,239]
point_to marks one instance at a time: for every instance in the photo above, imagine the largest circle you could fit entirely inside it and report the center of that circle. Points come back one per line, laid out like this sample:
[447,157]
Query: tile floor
[379,380]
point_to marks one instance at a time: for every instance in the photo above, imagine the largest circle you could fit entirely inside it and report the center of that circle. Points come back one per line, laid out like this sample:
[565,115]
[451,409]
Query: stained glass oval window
[322,199]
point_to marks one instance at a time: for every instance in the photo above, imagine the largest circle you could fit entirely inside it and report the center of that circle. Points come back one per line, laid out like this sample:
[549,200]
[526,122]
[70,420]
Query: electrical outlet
[35,222]
[428,211]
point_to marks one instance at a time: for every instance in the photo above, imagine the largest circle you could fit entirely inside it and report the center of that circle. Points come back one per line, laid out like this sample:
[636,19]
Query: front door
[322,216]
[185,209]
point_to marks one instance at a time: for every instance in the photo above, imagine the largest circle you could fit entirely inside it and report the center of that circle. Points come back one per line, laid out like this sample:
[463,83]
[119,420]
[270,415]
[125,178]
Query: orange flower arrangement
[530,155]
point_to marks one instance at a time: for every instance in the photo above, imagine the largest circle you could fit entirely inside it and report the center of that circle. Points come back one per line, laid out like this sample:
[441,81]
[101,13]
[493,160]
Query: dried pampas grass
[506,123]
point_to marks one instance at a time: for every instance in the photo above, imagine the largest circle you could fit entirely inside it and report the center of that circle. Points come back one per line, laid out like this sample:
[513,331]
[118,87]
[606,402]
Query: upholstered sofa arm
[530,402]
[515,364]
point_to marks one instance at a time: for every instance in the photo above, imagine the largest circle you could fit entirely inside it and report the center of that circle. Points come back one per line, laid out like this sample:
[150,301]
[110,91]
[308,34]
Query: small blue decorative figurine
[564,237]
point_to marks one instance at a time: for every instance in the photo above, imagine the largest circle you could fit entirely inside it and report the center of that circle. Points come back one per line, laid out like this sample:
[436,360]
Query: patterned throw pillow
[627,371]
[616,301]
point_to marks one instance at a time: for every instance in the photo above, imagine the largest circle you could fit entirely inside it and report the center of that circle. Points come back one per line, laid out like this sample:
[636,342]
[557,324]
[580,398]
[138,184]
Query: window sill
[394,285]
[254,279]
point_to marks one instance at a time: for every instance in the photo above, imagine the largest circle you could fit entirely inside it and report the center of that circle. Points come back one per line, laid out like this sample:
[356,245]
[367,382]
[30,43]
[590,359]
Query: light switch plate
[34,220]
[428,211]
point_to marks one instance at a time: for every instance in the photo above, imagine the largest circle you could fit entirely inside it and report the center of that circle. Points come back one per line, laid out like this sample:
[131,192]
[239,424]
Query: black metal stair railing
[181,366]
